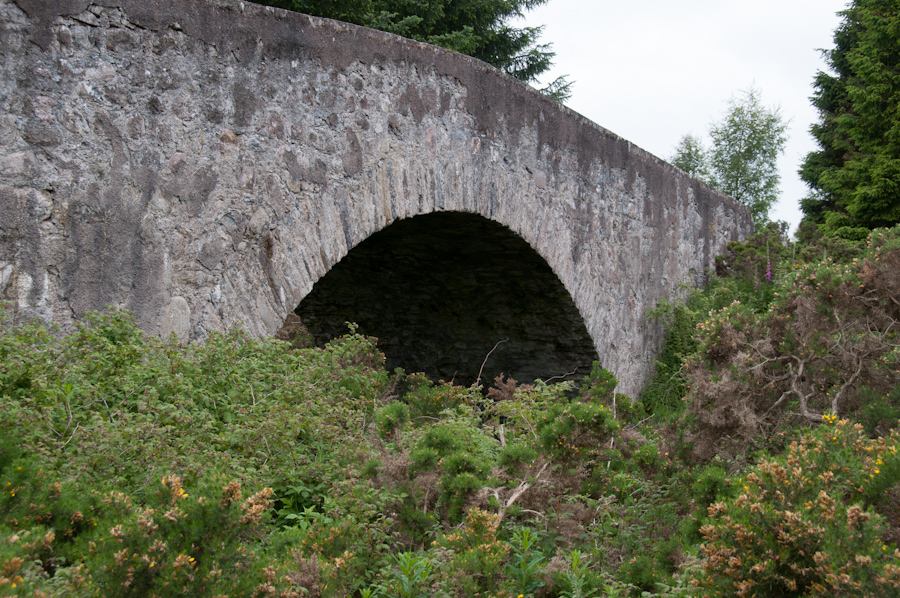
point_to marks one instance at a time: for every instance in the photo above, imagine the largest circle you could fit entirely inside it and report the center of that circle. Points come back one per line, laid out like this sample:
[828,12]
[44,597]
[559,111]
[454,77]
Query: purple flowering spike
[769,271]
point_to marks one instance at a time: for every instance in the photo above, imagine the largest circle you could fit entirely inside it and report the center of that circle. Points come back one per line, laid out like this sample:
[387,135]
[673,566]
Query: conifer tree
[855,175]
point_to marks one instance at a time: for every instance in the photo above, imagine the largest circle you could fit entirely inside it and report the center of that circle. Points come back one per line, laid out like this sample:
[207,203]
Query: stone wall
[204,162]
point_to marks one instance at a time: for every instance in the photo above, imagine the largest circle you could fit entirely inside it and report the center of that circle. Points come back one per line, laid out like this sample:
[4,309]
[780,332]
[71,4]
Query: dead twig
[483,363]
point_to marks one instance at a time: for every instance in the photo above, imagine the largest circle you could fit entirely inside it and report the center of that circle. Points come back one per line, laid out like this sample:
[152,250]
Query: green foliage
[516,456]
[803,524]
[854,175]
[826,334]
[665,391]
[879,412]
[521,407]
[575,576]
[110,406]
[39,521]
[301,505]
[691,156]
[472,554]
[747,273]
[477,28]
[525,562]
[599,386]
[171,542]
[744,155]
[176,539]
[575,432]
[390,417]
[475,494]
[743,159]
[412,574]
[461,452]
[428,399]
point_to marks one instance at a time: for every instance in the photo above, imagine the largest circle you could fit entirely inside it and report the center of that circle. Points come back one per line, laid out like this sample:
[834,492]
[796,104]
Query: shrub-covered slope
[762,461]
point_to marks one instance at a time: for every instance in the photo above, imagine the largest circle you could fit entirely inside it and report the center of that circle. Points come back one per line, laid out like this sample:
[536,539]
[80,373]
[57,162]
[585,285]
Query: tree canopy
[743,159]
[690,156]
[479,28]
[855,175]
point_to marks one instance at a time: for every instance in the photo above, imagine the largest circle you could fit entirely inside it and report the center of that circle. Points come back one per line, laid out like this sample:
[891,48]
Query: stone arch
[204,162]
[444,290]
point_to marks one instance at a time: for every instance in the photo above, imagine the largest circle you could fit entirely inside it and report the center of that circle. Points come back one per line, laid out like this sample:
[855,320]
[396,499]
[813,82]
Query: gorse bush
[390,417]
[825,342]
[428,399]
[806,524]
[575,432]
[177,541]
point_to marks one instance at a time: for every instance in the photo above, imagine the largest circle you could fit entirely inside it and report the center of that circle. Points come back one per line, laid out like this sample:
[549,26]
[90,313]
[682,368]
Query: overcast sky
[654,70]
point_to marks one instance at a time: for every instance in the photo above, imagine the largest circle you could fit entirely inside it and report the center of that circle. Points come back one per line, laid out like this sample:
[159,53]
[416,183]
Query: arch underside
[441,290]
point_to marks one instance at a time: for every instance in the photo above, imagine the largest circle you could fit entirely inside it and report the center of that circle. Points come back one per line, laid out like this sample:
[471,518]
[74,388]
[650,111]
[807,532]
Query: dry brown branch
[518,492]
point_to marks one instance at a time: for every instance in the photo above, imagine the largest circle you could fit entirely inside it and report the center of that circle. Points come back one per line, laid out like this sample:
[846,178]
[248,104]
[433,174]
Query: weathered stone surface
[231,154]
[176,319]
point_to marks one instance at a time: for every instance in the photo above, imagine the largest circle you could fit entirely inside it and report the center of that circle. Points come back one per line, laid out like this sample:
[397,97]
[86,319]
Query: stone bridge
[211,163]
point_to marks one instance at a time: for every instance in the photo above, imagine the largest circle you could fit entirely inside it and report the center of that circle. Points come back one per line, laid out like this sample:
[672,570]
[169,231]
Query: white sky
[654,70]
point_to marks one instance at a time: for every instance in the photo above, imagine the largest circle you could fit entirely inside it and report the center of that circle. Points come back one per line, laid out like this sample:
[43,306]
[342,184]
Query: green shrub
[599,386]
[526,558]
[709,483]
[647,456]
[428,399]
[391,417]
[804,524]
[425,457]
[461,451]
[180,542]
[879,413]
[515,456]
[520,407]
[576,432]
[827,334]
[643,572]
[471,555]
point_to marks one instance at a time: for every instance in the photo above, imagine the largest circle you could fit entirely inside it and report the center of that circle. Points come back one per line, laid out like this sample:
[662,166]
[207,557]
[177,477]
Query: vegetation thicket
[762,459]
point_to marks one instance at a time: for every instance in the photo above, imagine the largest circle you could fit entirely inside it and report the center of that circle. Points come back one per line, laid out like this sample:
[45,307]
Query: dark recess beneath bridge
[440,290]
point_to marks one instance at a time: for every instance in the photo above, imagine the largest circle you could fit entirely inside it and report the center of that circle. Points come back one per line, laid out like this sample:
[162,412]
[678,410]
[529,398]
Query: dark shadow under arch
[440,290]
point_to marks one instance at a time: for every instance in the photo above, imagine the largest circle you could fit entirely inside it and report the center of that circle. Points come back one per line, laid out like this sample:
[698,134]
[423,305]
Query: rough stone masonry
[205,162]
